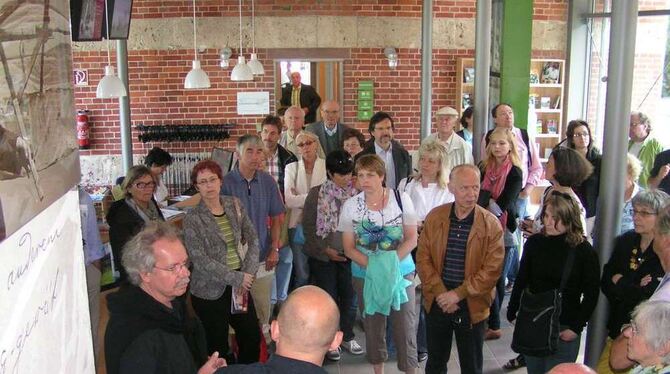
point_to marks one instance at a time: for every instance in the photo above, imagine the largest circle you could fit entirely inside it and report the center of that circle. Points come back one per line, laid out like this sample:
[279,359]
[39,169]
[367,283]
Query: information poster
[44,318]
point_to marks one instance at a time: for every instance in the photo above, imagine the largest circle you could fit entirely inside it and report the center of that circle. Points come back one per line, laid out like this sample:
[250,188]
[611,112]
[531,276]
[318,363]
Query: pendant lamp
[241,71]
[196,78]
[110,85]
[254,64]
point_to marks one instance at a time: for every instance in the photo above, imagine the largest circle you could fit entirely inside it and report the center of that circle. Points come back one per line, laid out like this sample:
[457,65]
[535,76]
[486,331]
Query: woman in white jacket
[299,178]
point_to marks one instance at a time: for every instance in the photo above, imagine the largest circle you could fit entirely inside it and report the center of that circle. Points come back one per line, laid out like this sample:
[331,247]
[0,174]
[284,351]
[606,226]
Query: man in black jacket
[150,329]
[397,160]
[301,95]
[276,156]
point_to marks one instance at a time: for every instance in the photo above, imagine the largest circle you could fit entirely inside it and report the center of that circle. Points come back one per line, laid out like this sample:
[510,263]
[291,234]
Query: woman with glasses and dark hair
[127,216]
[378,229]
[579,138]
[299,178]
[223,245]
[544,260]
[330,269]
[633,271]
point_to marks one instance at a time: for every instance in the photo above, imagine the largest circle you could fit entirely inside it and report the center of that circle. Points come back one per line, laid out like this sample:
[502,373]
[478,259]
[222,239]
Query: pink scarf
[494,181]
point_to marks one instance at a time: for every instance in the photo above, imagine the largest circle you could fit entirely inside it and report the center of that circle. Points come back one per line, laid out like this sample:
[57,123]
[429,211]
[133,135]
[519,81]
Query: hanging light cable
[110,85]
[254,64]
[241,71]
[196,78]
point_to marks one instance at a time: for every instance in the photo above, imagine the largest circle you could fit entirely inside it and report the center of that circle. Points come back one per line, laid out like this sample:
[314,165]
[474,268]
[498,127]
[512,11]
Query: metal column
[482,73]
[124,106]
[617,115]
[426,67]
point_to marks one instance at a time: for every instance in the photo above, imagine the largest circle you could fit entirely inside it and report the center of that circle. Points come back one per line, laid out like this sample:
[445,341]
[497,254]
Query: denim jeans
[567,352]
[300,264]
[494,317]
[279,291]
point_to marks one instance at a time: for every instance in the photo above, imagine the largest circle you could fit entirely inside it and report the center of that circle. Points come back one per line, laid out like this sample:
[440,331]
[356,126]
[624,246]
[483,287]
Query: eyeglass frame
[143,185]
[208,181]
[644,213]
[176,268]
[632,325]
[305,143]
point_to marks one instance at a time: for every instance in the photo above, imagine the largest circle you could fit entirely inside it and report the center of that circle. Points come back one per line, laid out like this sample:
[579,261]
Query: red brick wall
[156,77]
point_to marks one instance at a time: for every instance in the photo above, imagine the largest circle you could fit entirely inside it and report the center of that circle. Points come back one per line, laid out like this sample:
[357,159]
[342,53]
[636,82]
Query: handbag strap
[566,270]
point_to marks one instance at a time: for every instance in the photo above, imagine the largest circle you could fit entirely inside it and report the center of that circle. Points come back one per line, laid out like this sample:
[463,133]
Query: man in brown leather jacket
[459,260]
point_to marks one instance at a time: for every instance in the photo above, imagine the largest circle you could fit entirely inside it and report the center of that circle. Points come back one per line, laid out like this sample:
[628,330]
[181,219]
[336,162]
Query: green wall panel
[517,32]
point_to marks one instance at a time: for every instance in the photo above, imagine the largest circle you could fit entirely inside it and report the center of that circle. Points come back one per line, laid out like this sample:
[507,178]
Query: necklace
[379,203]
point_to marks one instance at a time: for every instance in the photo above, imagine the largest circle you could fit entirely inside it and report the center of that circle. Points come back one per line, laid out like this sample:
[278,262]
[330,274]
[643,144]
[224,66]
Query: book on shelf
[545,102]
[557,103]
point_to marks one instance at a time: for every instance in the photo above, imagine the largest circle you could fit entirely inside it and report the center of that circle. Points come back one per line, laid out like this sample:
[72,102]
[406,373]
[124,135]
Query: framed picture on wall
[551,72]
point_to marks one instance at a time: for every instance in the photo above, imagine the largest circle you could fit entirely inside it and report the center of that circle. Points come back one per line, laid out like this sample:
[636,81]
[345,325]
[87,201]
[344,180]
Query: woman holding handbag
[558,265]
[501,183]
[299,178]
[223,269]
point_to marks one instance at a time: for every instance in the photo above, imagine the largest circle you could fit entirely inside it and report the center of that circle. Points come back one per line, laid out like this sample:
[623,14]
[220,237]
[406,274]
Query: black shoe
[423,356]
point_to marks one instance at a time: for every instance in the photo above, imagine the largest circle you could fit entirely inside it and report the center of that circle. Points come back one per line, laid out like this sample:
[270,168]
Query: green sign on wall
[366,100]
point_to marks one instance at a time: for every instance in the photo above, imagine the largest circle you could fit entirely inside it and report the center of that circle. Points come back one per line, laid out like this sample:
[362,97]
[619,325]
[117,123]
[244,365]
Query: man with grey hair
[329,129]
[307,328]
[642,144]
[150,329]
[457,289]
[259,193]
[294,119]
[302,96]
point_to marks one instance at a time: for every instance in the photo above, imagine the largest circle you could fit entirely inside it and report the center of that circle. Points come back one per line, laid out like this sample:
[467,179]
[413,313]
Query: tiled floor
[496,354]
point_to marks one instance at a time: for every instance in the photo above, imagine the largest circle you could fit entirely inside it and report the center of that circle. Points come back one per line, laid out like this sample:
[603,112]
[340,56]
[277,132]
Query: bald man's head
[571,368]
[308,321]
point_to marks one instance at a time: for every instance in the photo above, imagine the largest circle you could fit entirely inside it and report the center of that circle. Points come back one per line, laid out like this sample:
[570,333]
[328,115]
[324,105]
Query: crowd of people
[316,227]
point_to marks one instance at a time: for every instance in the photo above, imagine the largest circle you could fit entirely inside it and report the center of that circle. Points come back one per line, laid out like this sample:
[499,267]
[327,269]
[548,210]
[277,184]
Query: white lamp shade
[255,65]
[241,71]
[196,78]
[110,85]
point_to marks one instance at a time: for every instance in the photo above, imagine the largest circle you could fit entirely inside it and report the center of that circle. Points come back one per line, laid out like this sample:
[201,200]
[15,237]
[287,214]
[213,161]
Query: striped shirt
[232,257]
[272,164]
[453,272]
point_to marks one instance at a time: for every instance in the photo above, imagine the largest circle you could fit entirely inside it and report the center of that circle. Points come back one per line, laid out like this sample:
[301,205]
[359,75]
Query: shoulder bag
[537,324]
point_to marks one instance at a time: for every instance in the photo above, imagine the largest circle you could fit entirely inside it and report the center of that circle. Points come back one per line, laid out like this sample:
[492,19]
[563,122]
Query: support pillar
[426,67]
[482,73]
[124,106]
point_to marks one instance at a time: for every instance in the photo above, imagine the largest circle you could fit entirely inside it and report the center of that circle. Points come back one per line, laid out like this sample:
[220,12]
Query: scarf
[330,199]
[494,182]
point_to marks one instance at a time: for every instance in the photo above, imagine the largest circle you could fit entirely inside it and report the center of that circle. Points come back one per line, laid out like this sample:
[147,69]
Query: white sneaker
[334,355]
[352,347]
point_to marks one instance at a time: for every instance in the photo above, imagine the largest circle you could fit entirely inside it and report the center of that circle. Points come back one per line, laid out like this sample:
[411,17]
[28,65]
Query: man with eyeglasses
[150,329]
[329,129]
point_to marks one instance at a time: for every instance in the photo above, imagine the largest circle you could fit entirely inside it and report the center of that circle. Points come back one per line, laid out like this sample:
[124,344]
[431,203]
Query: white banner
[44,318]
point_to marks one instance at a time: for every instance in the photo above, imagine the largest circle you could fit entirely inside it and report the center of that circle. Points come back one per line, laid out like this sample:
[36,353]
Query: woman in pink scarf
[501,184]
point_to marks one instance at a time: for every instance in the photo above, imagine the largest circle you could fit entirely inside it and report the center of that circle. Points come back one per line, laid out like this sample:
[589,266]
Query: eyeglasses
[305,144]
[143,185]
[643,213]
[635,124]
[203,182]
[631,325]
[580,135]
[330,111]
[176,268]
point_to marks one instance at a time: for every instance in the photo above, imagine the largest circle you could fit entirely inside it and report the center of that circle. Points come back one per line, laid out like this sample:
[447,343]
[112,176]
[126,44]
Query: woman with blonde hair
[500,188]
[299,178]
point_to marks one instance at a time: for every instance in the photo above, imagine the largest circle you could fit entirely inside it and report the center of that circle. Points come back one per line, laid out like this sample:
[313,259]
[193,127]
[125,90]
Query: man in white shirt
[458,150]
[294,118]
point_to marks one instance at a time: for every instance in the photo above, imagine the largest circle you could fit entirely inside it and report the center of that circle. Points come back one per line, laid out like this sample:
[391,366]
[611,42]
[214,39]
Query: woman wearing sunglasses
[223,268]
[545,257]
[299,178]
[127,216]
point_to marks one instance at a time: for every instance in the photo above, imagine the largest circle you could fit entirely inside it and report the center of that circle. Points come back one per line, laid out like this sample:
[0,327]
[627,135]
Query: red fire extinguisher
[83,129]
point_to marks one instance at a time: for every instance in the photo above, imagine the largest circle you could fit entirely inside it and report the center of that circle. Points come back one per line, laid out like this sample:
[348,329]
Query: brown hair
[566,210]
[371,163]
[571,168]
